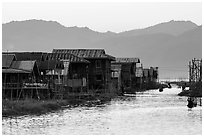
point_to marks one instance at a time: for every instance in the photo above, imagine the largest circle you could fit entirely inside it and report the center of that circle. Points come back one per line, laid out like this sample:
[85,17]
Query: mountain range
[168,45]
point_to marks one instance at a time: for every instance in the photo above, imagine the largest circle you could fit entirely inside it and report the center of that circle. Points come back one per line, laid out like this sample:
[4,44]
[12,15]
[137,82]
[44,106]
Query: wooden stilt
[11,94]
[31,96]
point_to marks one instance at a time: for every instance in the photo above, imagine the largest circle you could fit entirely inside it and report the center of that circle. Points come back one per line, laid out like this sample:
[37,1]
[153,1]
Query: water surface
[150,112]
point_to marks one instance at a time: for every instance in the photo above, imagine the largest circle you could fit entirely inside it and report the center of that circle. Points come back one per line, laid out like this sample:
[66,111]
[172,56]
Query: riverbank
[12,108]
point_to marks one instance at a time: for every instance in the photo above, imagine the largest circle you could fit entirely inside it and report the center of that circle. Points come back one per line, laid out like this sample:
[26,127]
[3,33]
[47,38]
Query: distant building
[150,77]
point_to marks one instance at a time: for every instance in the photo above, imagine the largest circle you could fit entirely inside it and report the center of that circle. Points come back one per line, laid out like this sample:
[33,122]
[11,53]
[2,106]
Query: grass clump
[25,107]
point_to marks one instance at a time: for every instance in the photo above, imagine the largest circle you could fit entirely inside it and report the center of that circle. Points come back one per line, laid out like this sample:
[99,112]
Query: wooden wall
[99,75]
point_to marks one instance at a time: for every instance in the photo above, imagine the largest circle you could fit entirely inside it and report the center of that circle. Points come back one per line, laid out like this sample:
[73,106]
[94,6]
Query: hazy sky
[104,17]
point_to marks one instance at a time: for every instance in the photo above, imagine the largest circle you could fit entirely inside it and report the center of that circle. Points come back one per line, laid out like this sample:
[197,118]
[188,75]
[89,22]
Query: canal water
[150,112]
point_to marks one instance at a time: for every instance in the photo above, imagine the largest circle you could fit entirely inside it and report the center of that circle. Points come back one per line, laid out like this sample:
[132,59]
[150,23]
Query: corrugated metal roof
[50,65]
[7,60]
[11,70]
[110,57]
[86,53]
[20,56]
[66,56]
[127,60]
[23,65]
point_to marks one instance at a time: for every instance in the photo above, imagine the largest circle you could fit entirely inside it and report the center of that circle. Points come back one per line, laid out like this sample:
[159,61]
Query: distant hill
[170,45]
[172,27]
[27,35]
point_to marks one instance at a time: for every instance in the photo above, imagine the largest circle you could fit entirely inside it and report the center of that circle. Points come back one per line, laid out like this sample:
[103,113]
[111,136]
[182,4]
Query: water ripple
[151,112]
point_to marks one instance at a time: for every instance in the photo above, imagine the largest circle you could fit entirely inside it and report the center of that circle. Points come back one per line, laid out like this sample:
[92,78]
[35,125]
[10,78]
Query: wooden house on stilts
[18,76]
[74,76]
[98,70]
[124,74]
[24,78]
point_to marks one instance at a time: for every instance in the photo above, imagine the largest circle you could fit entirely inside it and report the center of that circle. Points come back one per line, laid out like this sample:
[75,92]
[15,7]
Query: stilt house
[74,76]
[124,69]
[17,75]
[99,68]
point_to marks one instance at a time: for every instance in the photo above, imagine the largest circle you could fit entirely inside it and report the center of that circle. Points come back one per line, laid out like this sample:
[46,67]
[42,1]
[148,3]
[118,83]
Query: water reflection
[151,112]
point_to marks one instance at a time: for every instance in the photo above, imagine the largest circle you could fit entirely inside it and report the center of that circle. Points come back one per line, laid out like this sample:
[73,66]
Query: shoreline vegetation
[12,108]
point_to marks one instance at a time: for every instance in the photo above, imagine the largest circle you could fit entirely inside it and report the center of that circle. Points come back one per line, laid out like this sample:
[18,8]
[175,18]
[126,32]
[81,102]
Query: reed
[37,107]
[25,107]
